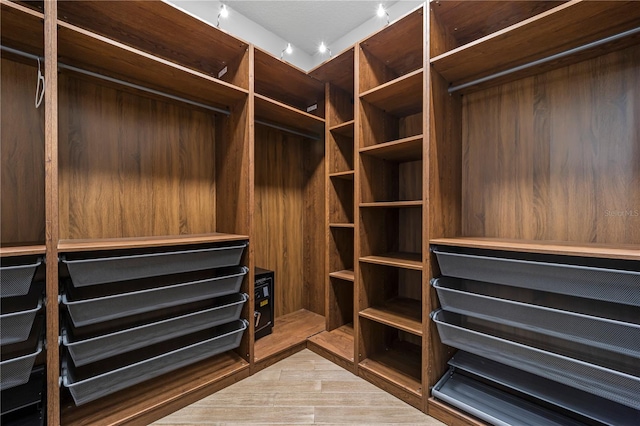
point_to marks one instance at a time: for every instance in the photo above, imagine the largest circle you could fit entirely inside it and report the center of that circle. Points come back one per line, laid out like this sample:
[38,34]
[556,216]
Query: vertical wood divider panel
[251,200]
[329,316]
[426,183]
[357,199]
[51,209]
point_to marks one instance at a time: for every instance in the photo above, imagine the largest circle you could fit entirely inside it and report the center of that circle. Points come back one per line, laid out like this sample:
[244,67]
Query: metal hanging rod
[545,60]
[21,53]
[117,81]
[288,130]
[142,88]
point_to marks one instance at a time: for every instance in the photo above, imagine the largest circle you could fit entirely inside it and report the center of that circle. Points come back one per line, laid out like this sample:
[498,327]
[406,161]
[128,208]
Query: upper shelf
[92,52]
[12,251]
[610,251]
[557,30]
[274,112]
[338,70]
[399,97]
[168,32]
[287,84]
[145,242]
[22,28]
[466,21]
[406,149]
[344,129]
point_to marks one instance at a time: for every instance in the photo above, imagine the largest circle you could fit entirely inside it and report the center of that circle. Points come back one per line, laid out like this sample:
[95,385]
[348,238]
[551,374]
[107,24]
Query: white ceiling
[306,23]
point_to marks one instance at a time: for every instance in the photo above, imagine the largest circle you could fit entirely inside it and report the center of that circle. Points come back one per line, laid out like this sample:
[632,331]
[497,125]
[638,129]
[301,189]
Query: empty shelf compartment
[16,280]
[16,326]
[621,387]
[95,310]
[85,389]
[580,404]
[612,285]
[483,300]
[493,405]
[100,270]
[104,346]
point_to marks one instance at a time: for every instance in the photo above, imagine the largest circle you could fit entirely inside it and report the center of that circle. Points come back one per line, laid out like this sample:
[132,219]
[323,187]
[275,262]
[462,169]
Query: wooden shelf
[143,242]
[612,251]
[392,204]
[342,225]
[163,33]
[348,175]
[156,398]
[91,52]
[345,129]
[338,70]
[283,82]
[345,275]
[401,313]
[399,260]
[278,113]
[27,250]
[406,149]
[22,28]
[399,365]
[567,26]
[290,331]
[338,342]
[399,45]
[399,97]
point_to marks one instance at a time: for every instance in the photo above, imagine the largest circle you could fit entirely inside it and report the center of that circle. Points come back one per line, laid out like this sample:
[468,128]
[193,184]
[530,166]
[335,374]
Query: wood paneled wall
[289,217]
[133,166]
[22,154]
[556,156]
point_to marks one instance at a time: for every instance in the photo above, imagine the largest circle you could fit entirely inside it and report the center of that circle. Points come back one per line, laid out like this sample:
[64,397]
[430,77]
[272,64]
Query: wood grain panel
[339,304]
[289,217]
[337,70]
[340,106]
[22,154]
[22,28]
[563,161]
[132,166]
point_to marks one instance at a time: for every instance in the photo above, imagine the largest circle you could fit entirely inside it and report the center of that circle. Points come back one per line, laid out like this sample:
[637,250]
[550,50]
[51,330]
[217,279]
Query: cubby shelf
[338,342]
[402,313]
[344,129]
[611,251]
[348,175]
[400,97]
[345,275]
[88,51]
[405,149]
[141,242]
[570,25]
[26,250]
[399,365]
[392,204]
[341,225]
[278,113]
[399,260]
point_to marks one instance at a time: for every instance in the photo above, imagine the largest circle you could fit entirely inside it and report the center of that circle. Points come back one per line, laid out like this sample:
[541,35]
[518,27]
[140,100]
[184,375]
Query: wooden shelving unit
[345,275]
[81,245]
[390,198]
[485,194]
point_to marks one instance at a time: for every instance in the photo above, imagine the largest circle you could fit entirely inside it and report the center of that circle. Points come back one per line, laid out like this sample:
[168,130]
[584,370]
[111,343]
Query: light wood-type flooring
[302,389]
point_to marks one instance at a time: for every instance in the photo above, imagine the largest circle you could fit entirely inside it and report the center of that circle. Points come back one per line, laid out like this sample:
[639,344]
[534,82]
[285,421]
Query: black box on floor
[264,314]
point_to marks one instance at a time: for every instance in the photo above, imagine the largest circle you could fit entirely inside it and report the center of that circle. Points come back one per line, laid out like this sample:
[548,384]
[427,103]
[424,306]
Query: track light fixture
[223,13]
[288,50]
[324,49]
[381,12]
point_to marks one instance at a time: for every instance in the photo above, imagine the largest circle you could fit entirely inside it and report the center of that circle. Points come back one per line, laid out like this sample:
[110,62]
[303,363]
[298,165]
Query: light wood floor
[302,389]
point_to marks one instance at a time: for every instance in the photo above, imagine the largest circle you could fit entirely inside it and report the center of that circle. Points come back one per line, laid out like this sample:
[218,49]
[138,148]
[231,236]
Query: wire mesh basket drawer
[16,280]
[616,336]
[495,406]
[97,348]
[92,388]
[16,371]
[86,272]
[607,383]
[91,311]
[16,326]
[612,285]
[25,395]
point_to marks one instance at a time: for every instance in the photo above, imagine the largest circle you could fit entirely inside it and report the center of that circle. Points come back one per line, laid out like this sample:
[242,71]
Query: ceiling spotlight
[223,13]
[381,12]
[288,50]
[324,49]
